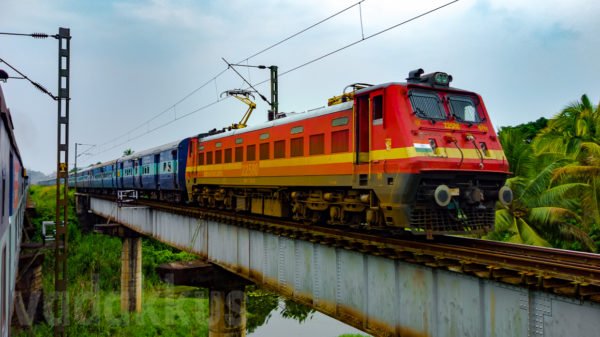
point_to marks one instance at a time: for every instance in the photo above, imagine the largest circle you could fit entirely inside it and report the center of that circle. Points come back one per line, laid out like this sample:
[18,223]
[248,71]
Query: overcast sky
[134,59]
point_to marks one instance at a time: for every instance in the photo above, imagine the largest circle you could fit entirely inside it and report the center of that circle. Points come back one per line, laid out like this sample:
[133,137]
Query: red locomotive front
[419,155]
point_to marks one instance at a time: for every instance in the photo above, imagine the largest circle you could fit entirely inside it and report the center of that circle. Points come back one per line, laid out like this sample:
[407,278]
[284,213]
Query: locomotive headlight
[441,78]
[505,195]
[442,195]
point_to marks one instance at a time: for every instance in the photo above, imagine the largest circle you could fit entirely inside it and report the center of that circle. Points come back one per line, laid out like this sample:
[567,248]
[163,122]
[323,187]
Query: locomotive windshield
[427,105]
[463,109]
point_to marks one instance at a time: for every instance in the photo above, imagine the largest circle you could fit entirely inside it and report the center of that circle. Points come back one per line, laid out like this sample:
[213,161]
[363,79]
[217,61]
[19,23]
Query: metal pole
[274,91]
[61,303]
[76,167]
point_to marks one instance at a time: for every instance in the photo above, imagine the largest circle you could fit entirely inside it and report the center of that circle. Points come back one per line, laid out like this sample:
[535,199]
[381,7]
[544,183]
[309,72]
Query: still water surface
[315,325]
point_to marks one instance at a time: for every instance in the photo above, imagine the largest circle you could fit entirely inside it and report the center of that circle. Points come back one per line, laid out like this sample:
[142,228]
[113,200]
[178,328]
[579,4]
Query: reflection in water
[269,316]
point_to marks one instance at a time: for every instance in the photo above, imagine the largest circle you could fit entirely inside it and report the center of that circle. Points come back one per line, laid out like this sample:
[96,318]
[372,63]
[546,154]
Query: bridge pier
[227,295]
[227,313]
[131,274]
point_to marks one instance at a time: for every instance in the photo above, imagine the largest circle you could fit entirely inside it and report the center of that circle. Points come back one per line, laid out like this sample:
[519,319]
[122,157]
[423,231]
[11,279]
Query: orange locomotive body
[419,155]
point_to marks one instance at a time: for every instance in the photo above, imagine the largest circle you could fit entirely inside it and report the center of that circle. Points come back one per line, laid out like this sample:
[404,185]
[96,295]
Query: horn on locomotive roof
[437,78]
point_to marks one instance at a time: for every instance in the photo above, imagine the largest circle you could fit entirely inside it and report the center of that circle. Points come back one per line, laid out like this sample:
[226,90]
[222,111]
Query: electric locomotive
[418,155]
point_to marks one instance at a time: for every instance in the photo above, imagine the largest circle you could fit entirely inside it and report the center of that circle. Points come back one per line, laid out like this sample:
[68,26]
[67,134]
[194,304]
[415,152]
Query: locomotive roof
[282,121]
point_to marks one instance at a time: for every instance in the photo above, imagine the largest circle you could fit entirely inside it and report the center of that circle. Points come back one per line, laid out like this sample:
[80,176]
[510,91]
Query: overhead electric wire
[264,81]
[34,83]
[214,78]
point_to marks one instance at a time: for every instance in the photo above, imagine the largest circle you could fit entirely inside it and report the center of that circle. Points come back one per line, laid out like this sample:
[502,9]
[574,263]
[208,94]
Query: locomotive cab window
[377,109]
[464,109]
[427,105]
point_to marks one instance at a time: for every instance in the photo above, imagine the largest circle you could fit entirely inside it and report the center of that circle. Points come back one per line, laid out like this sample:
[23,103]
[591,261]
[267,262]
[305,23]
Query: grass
[94,283]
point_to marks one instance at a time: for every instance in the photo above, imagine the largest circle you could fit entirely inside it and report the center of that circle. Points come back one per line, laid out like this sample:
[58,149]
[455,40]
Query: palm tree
[575,133]
[541,211]
[127,152]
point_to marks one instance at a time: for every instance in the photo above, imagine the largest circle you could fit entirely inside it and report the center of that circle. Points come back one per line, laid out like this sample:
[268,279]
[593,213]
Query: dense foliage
[94,283]
[556,182]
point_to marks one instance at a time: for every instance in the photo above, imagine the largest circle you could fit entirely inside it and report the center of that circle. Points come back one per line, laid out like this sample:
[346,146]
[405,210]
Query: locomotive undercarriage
[411,204]
[314,206]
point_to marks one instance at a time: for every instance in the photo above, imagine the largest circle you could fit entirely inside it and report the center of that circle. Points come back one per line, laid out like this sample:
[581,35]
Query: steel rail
[575,274]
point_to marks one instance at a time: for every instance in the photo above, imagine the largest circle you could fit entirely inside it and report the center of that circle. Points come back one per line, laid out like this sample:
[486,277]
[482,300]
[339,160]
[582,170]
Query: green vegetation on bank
[94,285]
[556,182]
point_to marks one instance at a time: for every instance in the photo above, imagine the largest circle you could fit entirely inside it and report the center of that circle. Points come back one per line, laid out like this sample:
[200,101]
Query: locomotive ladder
[62,185]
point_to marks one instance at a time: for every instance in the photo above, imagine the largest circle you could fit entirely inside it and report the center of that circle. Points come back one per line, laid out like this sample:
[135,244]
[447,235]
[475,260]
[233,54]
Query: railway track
[563,272]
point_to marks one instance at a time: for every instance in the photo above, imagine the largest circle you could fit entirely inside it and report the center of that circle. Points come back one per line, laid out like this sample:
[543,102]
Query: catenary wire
[214,78]
[281,74]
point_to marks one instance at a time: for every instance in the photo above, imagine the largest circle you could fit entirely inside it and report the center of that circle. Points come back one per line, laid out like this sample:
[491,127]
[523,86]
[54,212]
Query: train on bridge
[418,155]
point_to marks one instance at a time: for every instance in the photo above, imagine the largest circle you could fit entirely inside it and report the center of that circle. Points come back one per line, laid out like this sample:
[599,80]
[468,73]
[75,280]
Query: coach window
[251,153]
[316,144]
[339,141]
[297,129]
[264,151]
[218,156]
[279,149]
[340,121]
[377,108]
[227,156]
[209,158]
[239,154]
[201,158]
[297,147]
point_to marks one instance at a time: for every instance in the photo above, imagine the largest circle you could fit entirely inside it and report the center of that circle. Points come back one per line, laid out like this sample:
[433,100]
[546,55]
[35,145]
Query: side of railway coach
[154,173]
[13,194]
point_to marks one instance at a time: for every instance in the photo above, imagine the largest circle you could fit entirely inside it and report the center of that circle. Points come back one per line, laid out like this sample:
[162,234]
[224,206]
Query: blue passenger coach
[157,173]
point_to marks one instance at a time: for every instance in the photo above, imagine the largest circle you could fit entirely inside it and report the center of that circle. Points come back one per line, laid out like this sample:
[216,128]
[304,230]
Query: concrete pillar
[227,313]
[131,274]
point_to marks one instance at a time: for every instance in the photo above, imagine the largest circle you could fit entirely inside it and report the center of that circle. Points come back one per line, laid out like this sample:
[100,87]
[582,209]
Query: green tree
[128,152]
[543,210]
[575,134]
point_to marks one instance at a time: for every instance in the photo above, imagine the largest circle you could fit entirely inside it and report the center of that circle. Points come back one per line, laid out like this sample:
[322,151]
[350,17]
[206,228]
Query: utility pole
[61,302]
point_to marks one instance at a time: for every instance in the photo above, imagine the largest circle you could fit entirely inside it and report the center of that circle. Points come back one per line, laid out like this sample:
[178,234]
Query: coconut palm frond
[529,235]
[561,195]
[576,173]
[550,216]
[504,220]
[576,233]
[541,181]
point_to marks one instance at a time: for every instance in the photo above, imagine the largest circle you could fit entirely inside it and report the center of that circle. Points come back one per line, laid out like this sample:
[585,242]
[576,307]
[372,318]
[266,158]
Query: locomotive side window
[427,105]
[201,158]
[239,154]
[264,151]
[218,156]
[297,147]
[251,153]
[463,109]
[227,156]
[279,149]
[377,109]
[339,141]
[341,121]
[209,158]
[316,144]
